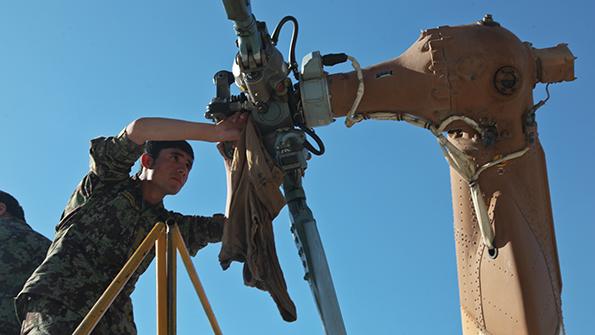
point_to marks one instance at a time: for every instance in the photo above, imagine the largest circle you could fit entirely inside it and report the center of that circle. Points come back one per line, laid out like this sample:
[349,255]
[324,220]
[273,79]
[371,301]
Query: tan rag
[248,234]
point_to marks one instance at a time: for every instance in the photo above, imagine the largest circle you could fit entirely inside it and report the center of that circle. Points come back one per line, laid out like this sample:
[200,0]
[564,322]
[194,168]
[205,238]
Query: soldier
[21,251]
[108,216]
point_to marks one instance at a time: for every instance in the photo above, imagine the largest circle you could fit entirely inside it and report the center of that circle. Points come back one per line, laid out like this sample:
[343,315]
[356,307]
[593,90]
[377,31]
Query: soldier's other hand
[218,222]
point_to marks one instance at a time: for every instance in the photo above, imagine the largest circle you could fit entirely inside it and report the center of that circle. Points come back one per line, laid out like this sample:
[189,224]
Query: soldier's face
[169,171]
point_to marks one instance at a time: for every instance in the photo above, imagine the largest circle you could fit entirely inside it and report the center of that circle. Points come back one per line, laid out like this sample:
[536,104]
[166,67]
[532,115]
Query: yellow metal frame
[167,239]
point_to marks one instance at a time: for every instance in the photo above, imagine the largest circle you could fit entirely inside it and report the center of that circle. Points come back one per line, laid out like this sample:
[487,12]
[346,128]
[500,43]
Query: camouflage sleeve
[20,255]
[112,158]
[198,231]
[8,318]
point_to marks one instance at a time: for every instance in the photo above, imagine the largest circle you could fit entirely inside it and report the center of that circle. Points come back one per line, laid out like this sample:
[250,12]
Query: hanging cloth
[248,234]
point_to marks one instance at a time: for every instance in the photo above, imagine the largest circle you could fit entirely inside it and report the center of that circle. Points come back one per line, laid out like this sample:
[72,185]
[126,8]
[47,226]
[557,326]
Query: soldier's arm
[112,158]
[197,231]
[162,129]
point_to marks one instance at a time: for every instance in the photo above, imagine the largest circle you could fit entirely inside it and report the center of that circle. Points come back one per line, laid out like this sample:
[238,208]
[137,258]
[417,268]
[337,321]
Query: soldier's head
[9,206]
[166,164]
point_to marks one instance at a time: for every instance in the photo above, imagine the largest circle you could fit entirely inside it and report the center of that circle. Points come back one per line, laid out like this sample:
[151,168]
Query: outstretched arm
[198,231]
[163,129]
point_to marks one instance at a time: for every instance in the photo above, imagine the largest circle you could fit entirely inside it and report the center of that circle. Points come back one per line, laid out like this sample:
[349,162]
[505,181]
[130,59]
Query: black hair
[12,205]
[153,148]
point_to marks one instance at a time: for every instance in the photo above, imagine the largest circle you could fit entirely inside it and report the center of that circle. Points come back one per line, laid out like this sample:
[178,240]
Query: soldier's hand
[231,128]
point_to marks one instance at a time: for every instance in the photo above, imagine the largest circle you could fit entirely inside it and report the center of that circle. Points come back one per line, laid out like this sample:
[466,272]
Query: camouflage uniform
[21,251]
[104,221]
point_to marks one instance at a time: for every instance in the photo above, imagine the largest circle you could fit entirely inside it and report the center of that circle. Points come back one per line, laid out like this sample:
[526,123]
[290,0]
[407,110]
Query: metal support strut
[167,239]
[309,244]
[171,279]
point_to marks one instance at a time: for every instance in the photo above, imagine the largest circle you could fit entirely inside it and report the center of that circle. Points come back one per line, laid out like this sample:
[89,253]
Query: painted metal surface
[484,72]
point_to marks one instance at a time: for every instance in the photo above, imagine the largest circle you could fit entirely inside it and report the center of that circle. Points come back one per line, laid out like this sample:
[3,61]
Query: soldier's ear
[146,161]
[2,209]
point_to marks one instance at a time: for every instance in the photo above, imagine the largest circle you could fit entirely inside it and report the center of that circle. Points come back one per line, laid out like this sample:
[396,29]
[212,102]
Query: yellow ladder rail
[195,280]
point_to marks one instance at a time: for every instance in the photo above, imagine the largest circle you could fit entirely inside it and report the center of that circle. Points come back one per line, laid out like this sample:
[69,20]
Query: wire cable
[293,66]
[349,118]
[462,163]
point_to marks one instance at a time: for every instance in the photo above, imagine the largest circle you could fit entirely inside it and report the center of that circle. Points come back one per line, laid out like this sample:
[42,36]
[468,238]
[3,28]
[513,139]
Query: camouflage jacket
[21,251]
[103,223]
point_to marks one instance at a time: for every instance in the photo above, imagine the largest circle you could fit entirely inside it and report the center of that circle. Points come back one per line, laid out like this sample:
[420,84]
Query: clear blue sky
[74,70]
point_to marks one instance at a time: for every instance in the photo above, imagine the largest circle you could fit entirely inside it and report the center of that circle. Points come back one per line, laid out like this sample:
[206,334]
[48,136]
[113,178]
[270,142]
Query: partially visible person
[21,251]
[107,217]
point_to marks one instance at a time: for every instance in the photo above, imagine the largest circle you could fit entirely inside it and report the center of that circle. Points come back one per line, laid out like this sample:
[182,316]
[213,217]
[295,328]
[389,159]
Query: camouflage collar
[135,196]
[14,222]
